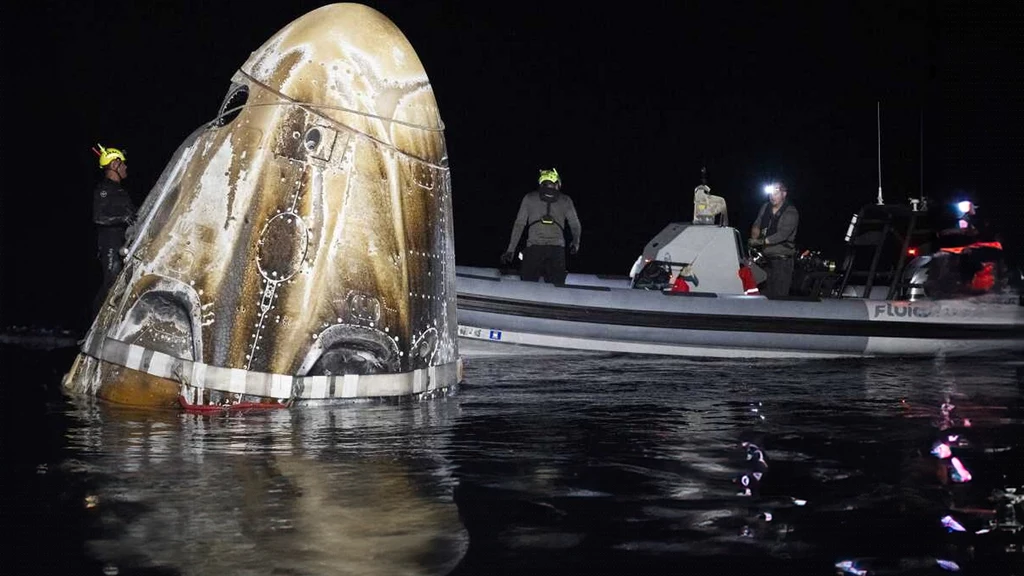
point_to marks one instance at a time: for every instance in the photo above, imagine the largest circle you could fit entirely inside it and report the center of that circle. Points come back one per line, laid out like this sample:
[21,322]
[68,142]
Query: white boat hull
[502,314]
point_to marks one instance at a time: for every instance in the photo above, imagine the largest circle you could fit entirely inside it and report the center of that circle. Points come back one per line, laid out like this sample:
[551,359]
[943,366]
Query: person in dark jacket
[112,213]
[543,214]
[774,234]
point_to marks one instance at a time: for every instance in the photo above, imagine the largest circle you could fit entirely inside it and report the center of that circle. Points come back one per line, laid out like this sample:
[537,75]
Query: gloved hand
[507,258]
[574,248]
[755,242]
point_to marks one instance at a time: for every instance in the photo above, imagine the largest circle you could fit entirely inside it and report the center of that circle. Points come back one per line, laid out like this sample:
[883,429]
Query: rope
[327,107]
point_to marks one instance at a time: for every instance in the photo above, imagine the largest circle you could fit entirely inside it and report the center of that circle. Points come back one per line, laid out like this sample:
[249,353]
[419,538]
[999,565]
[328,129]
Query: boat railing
[883,234]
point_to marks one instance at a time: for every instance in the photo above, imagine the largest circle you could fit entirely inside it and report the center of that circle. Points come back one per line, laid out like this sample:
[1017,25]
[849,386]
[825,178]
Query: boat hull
[592,313]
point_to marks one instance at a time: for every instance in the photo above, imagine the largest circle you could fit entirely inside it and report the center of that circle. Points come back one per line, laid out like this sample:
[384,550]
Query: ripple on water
[547,464]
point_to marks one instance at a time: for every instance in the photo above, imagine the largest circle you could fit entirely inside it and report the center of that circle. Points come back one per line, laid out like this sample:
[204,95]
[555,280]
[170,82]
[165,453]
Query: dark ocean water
[537,465]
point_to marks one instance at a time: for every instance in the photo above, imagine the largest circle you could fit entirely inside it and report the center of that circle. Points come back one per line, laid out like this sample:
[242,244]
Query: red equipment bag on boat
[747,277]
[983,279]
[680,285]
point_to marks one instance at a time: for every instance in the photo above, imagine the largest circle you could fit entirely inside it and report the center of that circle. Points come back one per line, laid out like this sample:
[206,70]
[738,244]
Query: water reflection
[614,466]
[622,465]
[594,465]
[339,490]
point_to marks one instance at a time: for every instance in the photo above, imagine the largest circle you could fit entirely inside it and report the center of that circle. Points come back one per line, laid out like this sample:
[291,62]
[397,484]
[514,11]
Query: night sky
[628,102]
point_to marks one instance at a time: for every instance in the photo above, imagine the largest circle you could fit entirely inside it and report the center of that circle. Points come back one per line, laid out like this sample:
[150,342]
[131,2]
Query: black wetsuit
[112,212]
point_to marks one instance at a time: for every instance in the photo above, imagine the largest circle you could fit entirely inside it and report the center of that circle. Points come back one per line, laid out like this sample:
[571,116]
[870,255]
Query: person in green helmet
[543,214]
[112,213]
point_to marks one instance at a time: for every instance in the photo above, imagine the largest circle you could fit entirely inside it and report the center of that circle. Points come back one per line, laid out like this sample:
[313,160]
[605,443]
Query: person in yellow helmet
[113,211]
[543,214]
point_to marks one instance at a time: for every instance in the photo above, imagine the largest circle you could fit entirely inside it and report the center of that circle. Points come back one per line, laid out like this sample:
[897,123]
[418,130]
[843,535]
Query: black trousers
[547,261]
[780,277]
[109,240]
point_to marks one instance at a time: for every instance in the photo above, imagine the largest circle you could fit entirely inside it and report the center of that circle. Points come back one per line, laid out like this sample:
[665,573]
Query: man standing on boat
[774,234]
[543,213]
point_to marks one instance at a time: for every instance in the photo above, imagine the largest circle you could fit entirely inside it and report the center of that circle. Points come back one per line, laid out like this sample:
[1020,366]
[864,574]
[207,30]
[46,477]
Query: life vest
[985,278]
[548,199]
[769,222]
[960,249]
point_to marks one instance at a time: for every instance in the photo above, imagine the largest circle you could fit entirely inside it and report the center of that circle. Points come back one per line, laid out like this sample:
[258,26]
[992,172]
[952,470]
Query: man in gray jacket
[543,213]
[774,233]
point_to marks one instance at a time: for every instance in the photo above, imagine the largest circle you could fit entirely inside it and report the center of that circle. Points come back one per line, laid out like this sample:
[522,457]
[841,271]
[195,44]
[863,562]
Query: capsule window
[318,142]
[232,106]
[312,139]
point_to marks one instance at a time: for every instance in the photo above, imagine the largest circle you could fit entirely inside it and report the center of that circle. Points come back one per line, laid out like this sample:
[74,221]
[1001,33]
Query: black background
[628,101]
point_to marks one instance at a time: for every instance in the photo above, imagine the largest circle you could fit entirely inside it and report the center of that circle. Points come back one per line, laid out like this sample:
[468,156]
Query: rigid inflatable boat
[900,304]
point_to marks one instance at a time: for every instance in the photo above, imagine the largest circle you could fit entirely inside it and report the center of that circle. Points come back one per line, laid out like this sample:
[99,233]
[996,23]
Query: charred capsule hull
[300,247]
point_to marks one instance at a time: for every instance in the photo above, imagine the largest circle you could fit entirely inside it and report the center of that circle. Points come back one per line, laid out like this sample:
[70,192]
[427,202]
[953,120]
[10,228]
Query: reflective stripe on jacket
[533,209]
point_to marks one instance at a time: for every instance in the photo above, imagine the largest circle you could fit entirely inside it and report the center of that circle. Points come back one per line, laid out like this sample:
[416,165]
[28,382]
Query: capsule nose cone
[351,64]
[347,39]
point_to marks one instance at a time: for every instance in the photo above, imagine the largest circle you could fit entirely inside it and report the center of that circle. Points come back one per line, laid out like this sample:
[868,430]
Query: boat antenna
[704,175]
[878,120]
[919,204]
[921,193]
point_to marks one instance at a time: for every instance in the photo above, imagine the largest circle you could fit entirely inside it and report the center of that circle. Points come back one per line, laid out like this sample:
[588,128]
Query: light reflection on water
[574,465]
[341,490]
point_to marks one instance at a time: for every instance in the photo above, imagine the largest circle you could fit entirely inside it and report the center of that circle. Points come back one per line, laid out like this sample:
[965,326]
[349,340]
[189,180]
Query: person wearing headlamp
[774,234]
